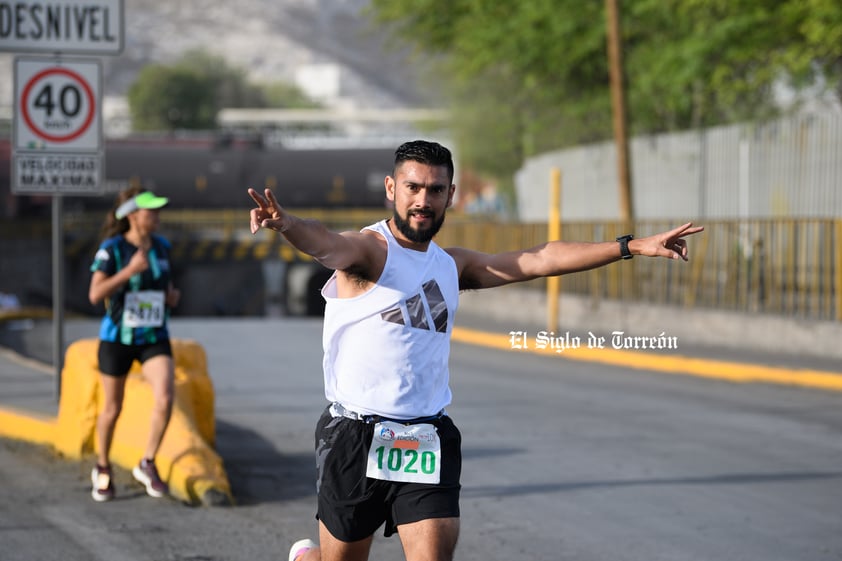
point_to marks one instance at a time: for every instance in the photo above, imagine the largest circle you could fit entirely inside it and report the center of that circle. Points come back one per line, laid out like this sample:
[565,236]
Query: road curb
[665,363]
[20,425]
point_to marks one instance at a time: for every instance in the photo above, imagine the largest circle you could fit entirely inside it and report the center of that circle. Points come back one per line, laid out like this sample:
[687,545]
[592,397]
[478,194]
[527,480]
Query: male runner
[386,450]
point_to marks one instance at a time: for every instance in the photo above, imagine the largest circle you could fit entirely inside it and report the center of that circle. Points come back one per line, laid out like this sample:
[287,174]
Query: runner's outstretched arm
[485,270]
[334,250]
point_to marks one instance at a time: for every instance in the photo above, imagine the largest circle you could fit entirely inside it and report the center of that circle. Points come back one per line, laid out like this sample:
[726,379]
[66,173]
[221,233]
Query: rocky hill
[271,39]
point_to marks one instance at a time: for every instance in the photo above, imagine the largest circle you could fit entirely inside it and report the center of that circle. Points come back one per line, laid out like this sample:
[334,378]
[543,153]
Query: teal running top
[137,313]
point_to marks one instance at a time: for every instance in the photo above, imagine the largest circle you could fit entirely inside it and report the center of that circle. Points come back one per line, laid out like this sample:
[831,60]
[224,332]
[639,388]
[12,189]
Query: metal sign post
[58,292]
[57,141]
[57,126]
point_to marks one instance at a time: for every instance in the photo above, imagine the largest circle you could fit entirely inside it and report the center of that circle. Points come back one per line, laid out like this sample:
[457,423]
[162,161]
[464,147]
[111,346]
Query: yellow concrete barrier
[186,459]
[80,395]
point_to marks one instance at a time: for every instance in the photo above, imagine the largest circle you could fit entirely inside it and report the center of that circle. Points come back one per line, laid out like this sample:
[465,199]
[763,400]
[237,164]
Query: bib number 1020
[407,461]
[410,454]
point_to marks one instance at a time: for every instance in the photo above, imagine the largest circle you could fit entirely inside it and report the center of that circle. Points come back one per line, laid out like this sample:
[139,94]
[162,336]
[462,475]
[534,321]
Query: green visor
[146,199]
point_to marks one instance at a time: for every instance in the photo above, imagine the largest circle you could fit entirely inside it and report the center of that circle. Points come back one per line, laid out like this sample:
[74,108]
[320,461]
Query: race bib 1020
[407,453]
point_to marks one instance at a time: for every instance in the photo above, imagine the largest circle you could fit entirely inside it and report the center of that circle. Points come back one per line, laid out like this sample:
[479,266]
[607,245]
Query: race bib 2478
[144,308]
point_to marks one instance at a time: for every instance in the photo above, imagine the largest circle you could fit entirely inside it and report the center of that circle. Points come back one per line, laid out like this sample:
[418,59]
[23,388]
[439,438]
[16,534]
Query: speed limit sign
[57,127]
[57,105]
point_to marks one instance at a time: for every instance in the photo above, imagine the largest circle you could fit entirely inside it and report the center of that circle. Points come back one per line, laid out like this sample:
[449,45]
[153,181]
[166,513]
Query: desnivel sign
[62,26]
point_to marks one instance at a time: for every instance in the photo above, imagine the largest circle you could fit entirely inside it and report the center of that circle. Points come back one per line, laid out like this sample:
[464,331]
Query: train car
[206,173]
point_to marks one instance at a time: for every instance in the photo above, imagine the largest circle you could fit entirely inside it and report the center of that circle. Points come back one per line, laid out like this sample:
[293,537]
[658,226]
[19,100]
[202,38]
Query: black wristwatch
[624,246]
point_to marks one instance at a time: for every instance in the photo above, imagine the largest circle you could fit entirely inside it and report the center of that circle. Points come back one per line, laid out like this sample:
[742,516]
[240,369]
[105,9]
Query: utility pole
[618,105]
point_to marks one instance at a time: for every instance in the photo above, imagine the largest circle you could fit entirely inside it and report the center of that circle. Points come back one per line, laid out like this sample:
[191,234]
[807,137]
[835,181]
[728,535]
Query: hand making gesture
[268,214]
[667,244]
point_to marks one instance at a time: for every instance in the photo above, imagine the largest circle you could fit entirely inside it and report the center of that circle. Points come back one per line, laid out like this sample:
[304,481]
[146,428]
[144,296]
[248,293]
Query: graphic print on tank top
[419,310]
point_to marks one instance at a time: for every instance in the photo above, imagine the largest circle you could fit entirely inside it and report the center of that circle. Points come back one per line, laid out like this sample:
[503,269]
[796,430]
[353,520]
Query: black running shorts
[115,359]
[352,506]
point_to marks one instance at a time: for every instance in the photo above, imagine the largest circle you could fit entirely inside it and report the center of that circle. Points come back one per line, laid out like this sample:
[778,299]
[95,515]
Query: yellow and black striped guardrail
[191,251]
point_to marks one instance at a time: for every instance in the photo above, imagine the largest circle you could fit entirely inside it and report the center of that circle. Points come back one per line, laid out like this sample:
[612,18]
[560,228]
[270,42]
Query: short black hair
[425,152]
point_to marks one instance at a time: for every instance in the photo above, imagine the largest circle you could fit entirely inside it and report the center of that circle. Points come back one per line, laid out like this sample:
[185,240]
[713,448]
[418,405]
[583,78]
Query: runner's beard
[417,236]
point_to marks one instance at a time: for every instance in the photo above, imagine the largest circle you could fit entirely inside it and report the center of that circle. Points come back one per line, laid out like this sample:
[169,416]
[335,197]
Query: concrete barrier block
[191,365]
[186,459]
[80,396]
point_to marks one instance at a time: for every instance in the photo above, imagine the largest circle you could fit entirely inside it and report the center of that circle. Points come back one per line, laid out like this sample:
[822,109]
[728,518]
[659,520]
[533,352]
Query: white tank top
[386,351]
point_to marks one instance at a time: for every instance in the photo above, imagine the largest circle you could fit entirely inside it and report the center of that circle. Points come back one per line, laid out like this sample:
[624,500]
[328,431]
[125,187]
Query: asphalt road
[563,460]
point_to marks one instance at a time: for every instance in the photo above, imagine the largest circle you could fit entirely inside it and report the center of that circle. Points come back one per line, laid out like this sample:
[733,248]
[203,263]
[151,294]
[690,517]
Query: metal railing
[786,267]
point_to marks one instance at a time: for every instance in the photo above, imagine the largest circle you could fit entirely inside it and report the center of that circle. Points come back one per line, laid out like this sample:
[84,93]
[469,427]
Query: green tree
[526,77]
[169,98]
[190,93]
[280,94]
[716,61]
[230,85]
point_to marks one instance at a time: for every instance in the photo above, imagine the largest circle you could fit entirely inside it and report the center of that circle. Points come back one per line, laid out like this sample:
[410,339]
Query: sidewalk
[28,385]
[27,377]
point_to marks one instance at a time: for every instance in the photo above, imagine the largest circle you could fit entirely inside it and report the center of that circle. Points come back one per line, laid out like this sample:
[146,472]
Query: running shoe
[103,487]
[301,547]
[146,473]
